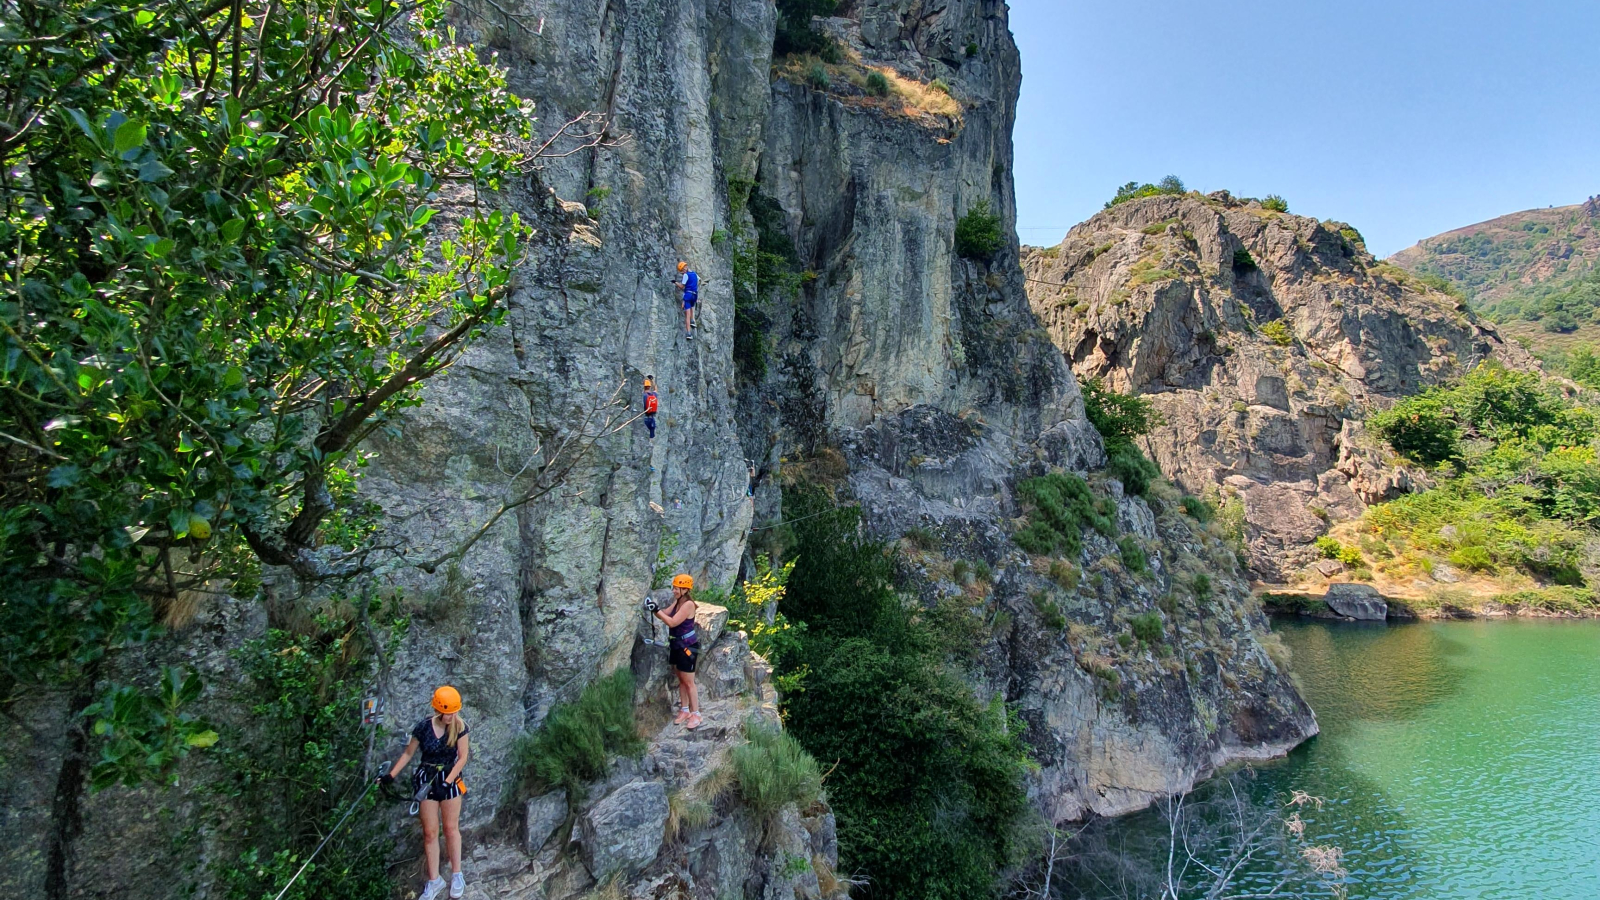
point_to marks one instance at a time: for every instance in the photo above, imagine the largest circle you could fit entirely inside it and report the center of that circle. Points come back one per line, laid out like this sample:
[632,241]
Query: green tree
[239,237]
[1133,190]
[1121,419]
[978,233]
[928,781]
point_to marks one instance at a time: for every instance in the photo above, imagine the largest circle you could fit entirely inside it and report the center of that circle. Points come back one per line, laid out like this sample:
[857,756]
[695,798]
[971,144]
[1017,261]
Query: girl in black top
[442,738]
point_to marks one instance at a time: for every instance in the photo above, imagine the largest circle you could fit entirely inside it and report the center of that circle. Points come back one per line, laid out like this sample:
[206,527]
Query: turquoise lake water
[1459,760]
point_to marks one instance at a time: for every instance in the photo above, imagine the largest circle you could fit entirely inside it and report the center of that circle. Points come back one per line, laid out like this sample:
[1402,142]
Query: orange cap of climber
[683,581]
[683,266]
[447,700]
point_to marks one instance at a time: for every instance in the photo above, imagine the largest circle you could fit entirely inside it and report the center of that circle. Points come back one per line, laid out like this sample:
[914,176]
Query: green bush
[940,85]
[1049,611]
[577,740]
[972,49]
[1120,418]
[877,84]
[817,76]
[928,784]
[1198,509]
[1201,585]
[978,234]
[773,770]
[1148,627]
[1473,559]
[1129,465]
[831,52]
[1243,261]
[1133,555]
[1329,547]
[1061,505]
[1133,190]
[1277,331]
[1275,203]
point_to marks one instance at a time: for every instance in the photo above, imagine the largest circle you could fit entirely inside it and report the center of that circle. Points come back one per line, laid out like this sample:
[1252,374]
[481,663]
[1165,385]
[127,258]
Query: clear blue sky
[1404,118]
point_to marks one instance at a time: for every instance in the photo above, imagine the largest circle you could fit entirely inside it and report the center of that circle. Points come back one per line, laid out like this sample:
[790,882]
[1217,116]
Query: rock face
[916,382]
[1357,601]
[1264,339]
[623,832]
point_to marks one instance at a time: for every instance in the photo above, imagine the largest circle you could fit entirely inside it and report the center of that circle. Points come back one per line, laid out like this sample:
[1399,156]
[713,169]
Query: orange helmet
[683,581]
[683,266]
[447,700]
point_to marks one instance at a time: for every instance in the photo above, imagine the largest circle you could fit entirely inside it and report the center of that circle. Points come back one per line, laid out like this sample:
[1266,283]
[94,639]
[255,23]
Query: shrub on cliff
[1120,419]
[773,770]
[928,783]
[1275,203]
[578,739]
[978,233]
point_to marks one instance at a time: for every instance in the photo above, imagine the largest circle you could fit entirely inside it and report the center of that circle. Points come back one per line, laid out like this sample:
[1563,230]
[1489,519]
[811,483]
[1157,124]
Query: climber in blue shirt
[689,288]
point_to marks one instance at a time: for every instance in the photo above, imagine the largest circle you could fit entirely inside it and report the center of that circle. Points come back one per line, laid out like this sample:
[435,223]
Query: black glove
[651,605]
[386,779]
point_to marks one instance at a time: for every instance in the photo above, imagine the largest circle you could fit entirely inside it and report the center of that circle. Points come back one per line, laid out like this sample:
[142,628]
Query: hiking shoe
[458,886]
[683,713]
[694,721]
[432,889]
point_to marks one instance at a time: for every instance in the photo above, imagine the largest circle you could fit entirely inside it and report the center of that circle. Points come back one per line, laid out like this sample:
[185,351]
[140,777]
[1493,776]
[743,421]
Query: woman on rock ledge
[442,737]
[685,649]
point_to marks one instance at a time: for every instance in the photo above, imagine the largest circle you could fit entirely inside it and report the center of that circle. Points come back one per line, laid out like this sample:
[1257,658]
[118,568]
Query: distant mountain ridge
[1523,265]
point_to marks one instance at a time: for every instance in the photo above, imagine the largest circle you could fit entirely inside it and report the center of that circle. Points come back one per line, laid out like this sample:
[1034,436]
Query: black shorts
[439,790]
[683,658]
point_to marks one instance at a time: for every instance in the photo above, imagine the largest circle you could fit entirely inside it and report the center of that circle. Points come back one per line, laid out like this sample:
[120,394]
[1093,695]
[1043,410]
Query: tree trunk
[66,810]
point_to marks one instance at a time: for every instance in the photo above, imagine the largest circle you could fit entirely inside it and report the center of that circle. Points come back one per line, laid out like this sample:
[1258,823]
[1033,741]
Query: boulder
[1357,601]
[622,833]
[544,814]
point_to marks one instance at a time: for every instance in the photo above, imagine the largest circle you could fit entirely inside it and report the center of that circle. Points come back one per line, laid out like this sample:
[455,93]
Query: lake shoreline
[1307,605]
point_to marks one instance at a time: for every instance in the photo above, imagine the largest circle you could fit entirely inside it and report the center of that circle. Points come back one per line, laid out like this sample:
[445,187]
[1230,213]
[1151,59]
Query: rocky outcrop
[1264,339]
[1356,601]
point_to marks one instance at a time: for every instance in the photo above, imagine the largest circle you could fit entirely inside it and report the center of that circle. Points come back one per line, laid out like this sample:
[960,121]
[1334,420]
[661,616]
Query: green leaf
[162,247]
[232,229]
[153,170]
[130,135]
[186,444]
[202,740]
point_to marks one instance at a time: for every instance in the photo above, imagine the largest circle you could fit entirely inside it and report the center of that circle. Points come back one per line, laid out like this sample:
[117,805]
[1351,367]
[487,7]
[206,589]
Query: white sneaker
[432,889]
[458,886]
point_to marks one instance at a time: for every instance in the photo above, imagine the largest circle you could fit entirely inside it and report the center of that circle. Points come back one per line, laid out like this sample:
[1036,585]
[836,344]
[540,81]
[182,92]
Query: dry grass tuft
[907,96]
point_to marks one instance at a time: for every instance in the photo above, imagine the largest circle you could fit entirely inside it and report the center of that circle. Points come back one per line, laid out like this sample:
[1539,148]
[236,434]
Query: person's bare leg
[429,816]
[683,699]
[452,832]
[692,691]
